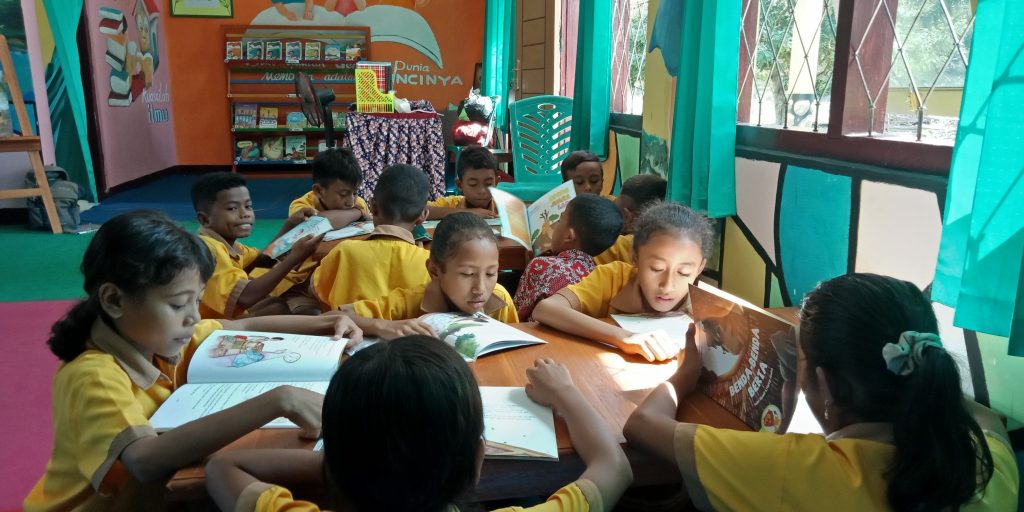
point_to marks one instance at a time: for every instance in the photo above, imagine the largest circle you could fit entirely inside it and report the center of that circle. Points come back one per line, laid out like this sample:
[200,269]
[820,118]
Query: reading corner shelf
[268,128]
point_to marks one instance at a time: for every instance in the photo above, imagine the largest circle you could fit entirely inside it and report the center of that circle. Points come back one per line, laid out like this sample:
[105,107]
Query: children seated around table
[463,268]
[124,349]
[225,213]
[336,177]
[584,170]
[637,193]
[404,432]
[477,169]
[389,258]
[899,432]
[671,247]
[589,226]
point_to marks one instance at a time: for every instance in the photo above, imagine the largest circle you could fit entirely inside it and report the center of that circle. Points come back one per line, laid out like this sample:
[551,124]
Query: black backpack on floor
[65,197]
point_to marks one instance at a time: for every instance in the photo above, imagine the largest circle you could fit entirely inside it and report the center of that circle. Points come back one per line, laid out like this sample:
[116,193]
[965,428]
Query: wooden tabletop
[511,256]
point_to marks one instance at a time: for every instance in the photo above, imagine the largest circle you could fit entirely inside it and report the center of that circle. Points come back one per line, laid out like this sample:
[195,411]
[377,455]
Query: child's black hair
[135,251]
[644,190]
[455,229]
[576,158]
[476,157]
[206,188]
[401,192]
[675,218]
[405,415]
[941,459]
[336,164]
[596,221]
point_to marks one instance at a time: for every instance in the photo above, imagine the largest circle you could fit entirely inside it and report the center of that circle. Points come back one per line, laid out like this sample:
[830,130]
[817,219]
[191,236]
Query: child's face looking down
[338,195]
[162,320]
[588,178]
[468,276]
[231,215]
[474,185]
[666,266]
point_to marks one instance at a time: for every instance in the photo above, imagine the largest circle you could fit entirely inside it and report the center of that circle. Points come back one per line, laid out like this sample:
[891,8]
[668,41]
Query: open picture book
[230,367]
[471,335]
[531,226]
[365,227]
[748,357]
[314,226]
[516,427]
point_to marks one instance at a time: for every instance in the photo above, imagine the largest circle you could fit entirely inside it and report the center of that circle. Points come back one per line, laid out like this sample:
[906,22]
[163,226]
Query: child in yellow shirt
[124,349]
[389,258]
[336,177]
[671,249]
[637,193]
[463,268]
[478,170]
[899,433]
[584,170]
[403,432]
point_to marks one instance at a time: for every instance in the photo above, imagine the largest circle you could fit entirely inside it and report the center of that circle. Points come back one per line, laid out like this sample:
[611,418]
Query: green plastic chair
[541,128]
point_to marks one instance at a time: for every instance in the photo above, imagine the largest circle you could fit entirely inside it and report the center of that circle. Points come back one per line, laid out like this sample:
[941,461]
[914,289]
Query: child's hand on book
[296,218]
[391,329]
[302,407]
[305,247]
[653,346]
[549,382]
[686,377]
[344,327]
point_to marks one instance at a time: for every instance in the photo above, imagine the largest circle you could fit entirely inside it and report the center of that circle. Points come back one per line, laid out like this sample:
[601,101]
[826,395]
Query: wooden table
[511,256]
[613,382]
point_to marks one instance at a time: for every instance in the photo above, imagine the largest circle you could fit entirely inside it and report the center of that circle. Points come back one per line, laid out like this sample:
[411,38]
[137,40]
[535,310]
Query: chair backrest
[541,127]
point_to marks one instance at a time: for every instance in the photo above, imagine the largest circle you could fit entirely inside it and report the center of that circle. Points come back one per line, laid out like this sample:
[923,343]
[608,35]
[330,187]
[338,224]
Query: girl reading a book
[403,432]
[463,269]
[125,348]
[670,248]
[899,432]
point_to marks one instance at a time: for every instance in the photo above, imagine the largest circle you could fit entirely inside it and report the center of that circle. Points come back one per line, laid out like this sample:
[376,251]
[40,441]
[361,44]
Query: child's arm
[294,220]
[334,323]
[342,218]
[229,473]
[385,329]
[260,287]
[436,212]
[607,466]
[557,312]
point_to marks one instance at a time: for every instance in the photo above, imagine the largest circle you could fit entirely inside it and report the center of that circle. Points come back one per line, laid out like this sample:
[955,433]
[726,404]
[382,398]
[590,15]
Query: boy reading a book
[463,268]
[637,193]
[336,177]
[225,213]
[389,257]
[478,170]
[671,249]
[584,170]
[588,227]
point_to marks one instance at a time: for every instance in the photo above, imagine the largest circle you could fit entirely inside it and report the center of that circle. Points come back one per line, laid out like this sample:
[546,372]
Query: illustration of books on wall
[292,51]
[273,50]
[254,50]
[531,226]
[233,50]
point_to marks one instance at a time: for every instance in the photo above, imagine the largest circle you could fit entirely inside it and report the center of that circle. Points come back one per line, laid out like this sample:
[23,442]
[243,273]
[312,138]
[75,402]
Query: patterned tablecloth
[380,140]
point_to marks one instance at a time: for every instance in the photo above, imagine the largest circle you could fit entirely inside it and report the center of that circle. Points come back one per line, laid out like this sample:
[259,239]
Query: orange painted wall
[199,81]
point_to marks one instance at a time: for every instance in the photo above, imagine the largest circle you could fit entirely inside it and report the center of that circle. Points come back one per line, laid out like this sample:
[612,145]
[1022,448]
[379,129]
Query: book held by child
[313,226]
[531,226]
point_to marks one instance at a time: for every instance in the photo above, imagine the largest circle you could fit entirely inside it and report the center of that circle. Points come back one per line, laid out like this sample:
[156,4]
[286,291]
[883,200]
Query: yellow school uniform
[611,288]
[310,200]
[458,202]
[734,470]
[364,269]
[102,401]
[406,303]
[621,250]
[220,300]
[579,496]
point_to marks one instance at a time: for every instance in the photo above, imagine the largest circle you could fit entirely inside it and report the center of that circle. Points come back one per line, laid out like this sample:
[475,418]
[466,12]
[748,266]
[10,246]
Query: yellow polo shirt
[611,288]
[310,200]
[102,401]
[621,250]
[458,202]
[364,269]
[220,300]
[405,304]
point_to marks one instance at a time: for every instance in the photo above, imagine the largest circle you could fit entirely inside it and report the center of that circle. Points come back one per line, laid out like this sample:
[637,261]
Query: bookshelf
[268,128]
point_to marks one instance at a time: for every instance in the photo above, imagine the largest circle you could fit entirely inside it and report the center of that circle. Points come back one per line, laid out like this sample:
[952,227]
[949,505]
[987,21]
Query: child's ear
[317,189]
[203,218]
[374,211]
[111,300]
[433,269]
[423,215]
[458,184]
[628,218]
[634,257]
[570,236]
[703,265]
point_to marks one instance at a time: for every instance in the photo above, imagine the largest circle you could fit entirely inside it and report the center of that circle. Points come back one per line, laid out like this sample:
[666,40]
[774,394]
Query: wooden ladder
[26,142]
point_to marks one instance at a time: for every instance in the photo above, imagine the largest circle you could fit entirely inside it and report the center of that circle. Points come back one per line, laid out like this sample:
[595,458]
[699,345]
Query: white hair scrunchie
[906,354]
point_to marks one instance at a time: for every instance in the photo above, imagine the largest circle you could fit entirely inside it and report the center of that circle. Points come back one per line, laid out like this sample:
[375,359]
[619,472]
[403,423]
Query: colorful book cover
[314,226]
[233,51]
[295,120]
[273,148]
[292,51]
[295,147]
[532,226]
[274,50]
[246,150]
[339,120]
[254,50]
[245,115]
[332,52]
[748,357]
[312,50]
[268,117]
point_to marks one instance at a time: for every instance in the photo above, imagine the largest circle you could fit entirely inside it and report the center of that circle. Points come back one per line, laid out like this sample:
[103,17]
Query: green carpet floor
[38,265]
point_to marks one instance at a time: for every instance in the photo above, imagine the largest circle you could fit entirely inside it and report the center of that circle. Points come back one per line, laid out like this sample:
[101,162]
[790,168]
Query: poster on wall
[131,87]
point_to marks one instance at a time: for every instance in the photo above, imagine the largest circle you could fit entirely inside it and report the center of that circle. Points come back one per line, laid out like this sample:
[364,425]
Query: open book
[432,224]
[471,335]
[516,427]
[365,227]
[674,325]
[531,226]
[748,357]
[314,226]
[230,367]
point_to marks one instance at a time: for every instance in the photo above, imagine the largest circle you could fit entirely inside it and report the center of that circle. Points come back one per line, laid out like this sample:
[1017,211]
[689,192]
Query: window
[628,82]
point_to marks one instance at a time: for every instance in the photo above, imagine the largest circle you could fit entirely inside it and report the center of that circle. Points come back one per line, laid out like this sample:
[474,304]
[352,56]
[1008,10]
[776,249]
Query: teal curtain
[499,54]
[64,16]
[702,162]
[592,90]
[981,255]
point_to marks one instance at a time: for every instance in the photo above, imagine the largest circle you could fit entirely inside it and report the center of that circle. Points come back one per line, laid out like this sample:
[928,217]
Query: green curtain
[592,90]
[981,255]
[702,163]
[64,16]
[499,54]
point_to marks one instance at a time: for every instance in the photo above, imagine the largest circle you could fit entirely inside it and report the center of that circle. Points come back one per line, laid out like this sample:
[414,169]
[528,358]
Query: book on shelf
[292,51]
[338,118]
[273,50]
[295,148]
[314,226]
[246,150]
[245,115]
[229,367]
[273,147]
[268,117]
[233,50]
[312,50]
[748,358]
[254,50]
[332,51]
[295,120]
[531,226]
[516,427]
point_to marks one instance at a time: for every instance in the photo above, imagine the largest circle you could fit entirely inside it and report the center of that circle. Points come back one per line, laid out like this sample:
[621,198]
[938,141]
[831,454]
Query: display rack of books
[268,127]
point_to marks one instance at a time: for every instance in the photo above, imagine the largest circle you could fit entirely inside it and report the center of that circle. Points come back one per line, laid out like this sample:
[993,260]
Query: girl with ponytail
[900,435]
[124,349]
